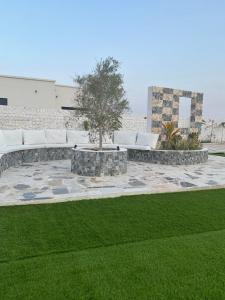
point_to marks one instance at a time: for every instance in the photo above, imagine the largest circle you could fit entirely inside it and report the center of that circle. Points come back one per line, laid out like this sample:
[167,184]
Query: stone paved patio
[215,147]
[52,181]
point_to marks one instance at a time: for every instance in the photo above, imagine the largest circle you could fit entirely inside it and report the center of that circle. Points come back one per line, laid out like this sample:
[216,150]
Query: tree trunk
[100,139]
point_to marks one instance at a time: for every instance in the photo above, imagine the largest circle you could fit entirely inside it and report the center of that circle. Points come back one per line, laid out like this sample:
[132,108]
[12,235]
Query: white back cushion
[77,137]
[34,137]
[55,136]
[125,137]
[107,139]
[13,137]
[2,139]
[147,139]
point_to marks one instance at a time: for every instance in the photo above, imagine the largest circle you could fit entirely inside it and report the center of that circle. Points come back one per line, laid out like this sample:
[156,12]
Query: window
[184,112]
[68,108]
[3,101]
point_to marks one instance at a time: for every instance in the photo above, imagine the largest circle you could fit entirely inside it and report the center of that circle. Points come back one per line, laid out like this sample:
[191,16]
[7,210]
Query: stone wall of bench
[169,157]
[166,157]
[20,157]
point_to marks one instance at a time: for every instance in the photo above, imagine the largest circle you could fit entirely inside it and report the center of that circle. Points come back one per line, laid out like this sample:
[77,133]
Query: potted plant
[101,98]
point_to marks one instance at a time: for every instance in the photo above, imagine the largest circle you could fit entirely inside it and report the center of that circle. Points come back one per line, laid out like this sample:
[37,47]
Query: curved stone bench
[24,146]
[36,145]
[169,157]
[18,157]
[15,156]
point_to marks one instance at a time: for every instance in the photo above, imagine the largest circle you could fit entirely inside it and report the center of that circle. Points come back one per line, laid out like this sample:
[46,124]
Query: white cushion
[125,137]
[34,137]
[89,145]
[107,140]
[2,139]
[58,146]
[9,149]
[75,137]
[55,136]
[136,147]
[13,137]
[147,139]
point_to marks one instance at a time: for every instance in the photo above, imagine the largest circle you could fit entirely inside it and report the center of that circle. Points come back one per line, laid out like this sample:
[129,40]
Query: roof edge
[26,78]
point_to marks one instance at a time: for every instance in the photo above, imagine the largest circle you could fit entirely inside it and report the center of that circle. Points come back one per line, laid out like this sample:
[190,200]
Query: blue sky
[178,44]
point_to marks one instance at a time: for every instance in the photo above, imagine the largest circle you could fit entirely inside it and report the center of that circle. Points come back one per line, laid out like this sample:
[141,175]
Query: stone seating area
[24,146]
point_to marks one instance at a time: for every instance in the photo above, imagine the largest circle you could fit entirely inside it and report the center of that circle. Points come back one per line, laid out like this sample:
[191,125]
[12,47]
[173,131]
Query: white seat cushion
[109,146]
[107,140]
[89,145]
[8,149]
[77,137]
[125,137]
[55,136]
[13,137]
[2,139]
[147,139]
[135,147]
[34,137]
[58,146]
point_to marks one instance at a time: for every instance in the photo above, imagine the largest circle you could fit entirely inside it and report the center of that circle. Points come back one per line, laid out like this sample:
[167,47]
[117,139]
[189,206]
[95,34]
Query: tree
[101,98]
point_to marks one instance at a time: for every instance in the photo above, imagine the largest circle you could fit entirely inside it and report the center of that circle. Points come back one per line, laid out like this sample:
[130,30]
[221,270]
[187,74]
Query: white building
[35,93]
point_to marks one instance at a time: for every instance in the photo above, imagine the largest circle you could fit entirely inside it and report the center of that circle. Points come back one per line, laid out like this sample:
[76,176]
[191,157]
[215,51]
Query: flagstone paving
[215,147]
[52,181]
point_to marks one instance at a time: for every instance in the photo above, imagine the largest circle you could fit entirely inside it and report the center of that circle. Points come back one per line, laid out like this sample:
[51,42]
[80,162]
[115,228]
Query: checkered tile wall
[164,107]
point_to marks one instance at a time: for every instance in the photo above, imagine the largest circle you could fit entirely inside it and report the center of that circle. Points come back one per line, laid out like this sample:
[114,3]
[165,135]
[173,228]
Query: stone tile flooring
[215,147]
[53,181]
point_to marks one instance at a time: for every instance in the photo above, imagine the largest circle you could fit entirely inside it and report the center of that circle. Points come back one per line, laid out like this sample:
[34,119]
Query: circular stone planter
[169,157]
[106,162]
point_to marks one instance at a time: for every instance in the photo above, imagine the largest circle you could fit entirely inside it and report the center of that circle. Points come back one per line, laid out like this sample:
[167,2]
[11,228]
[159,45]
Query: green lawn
[167,246]
[218,154]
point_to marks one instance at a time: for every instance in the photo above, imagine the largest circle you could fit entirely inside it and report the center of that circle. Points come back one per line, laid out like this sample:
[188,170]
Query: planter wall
[169,157]
[88,162]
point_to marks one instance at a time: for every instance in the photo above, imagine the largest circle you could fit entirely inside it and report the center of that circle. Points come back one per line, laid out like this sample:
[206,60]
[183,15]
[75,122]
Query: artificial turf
[165,246]
[218,154]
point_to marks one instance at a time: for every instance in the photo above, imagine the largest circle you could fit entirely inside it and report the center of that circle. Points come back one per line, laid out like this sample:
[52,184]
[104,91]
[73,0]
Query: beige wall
[36,93]
[42,118]
[64,95]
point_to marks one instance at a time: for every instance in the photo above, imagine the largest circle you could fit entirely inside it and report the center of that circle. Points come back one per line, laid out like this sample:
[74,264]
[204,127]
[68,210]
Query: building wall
[43,118]
[35,93]
[132,122]
[36,104]
[64,95]
[214,133]
[33,118]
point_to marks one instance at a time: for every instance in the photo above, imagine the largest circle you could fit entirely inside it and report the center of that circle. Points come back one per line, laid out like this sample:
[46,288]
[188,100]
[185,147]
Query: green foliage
[170,131]
[174,141]
[193,141]
[86,125]
[172,136]
[101,98]
[163,247]
[218,154]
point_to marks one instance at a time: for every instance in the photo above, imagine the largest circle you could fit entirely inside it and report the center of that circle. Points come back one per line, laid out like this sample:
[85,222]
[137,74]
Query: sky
[177,44]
